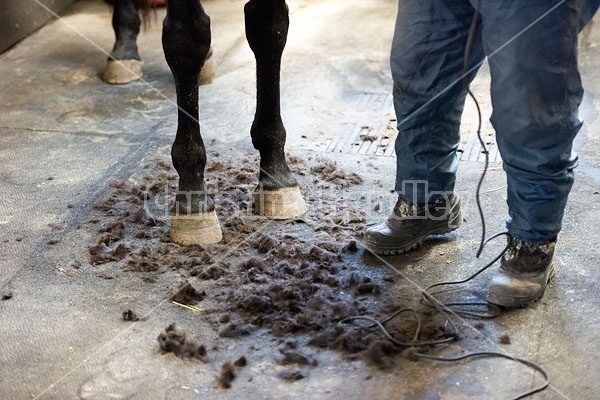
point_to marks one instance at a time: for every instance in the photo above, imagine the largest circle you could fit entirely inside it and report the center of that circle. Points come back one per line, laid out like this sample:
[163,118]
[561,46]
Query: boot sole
[393,251]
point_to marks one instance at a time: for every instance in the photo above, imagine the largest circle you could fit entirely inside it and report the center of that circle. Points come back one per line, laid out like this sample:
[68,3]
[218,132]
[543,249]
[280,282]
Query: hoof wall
[122,71]
[196,229]
[283,203]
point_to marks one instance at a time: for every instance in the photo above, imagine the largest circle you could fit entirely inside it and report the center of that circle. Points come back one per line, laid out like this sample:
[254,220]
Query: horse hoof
[122,71]
[196,228]
[282,203]
[208,71]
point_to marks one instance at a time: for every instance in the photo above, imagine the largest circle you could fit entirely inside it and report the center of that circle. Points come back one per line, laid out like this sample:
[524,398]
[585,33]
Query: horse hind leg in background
[186,43]
[124,64]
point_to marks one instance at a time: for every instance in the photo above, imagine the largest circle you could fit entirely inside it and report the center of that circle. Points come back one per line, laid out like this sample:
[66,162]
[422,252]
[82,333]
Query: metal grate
[470,149]
[373,134]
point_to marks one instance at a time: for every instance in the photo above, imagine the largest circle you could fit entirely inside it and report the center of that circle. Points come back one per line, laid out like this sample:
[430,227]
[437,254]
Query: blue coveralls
[536,90]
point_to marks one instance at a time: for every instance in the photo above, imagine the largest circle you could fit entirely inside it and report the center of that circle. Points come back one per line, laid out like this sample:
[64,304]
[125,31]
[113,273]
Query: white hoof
[122,71]
[283,203]
[196,228]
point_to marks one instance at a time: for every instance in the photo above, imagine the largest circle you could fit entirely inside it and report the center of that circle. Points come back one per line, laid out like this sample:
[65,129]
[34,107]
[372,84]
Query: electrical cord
[495,354]
[481,354]
[462,309]
[457,308]
[486,153]
[427,297]
[453,337]
[413,343]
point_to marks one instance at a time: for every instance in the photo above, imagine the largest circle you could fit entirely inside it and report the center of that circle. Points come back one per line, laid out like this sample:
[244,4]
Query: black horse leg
[278,195]
[124,64]
[186,43]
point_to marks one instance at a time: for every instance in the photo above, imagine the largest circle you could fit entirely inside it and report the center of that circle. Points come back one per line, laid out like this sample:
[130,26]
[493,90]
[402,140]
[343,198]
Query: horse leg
[186,43]
[124,64]
[277,195]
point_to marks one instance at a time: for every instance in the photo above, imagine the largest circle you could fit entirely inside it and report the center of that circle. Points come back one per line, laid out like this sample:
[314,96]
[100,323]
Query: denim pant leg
[427,64]
[536,92]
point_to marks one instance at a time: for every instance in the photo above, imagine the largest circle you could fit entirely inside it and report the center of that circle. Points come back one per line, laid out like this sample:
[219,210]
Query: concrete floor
[64,134]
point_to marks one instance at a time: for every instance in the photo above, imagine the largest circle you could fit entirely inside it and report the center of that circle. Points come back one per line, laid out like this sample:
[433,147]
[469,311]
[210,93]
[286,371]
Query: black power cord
[494,311]
[458,308]
[480,354]
[463,309]
[486,153]
[495,354]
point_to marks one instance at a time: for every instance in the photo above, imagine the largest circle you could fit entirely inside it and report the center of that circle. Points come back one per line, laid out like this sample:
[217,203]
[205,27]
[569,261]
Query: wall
[20,18]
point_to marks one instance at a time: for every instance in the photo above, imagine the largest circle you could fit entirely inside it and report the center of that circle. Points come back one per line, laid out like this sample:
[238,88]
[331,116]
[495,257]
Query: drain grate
[374,131]
[470,149]
[364,140]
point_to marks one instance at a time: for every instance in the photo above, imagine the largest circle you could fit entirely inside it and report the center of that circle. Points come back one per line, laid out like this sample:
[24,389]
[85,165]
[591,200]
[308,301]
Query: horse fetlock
[189,202]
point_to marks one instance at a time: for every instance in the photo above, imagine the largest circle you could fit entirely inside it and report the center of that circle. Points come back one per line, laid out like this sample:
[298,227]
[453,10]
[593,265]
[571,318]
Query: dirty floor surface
[97,303]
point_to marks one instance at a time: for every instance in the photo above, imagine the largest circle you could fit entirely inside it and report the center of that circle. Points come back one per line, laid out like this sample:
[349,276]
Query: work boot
[525,270]
[410,223]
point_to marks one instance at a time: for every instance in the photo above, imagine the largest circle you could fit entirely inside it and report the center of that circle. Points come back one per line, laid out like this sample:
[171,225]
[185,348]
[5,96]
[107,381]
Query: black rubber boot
[410,223]
[524,272]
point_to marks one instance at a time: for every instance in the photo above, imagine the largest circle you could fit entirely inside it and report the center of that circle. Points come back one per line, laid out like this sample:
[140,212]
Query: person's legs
[536,91]
[427,66]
